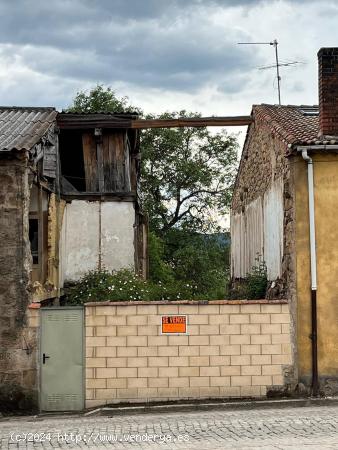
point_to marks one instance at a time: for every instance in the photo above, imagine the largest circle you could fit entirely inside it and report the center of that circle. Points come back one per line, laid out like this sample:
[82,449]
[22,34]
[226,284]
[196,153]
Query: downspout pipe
[313,265]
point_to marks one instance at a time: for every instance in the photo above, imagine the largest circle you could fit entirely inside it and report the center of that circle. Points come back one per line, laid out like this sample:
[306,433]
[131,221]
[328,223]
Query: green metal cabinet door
[61,359]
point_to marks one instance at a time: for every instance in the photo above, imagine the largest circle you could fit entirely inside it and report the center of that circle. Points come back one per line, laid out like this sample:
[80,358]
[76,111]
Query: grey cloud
[147,53]
[166,44]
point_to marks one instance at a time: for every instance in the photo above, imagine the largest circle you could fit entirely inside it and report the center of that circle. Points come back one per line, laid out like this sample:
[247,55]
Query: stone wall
[263,160]
[231,349]
[17,365]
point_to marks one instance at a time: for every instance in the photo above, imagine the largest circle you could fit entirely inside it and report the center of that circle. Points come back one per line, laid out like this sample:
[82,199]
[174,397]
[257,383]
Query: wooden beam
[192,122]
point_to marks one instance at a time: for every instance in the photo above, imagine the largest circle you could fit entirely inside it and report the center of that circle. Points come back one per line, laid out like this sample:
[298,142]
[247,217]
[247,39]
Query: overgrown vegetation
[254,285]
[197,259]
[124,285]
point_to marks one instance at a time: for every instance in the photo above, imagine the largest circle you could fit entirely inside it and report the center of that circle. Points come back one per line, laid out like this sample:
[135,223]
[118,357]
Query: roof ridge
[271,105]
[29,108]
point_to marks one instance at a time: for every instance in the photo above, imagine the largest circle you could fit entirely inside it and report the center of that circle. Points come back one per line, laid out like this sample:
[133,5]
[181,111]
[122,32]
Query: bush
[124,285]
[254,285]
[257,281]
[102,285]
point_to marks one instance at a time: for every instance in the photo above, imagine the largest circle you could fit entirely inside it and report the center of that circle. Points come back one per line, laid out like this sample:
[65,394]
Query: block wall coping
[192,302]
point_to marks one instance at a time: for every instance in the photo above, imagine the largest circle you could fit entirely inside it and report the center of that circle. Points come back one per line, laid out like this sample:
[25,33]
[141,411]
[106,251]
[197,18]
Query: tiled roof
[295,125]
[22,127]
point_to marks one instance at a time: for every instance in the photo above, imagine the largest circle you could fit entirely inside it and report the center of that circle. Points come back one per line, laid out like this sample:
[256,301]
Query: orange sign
[174,324]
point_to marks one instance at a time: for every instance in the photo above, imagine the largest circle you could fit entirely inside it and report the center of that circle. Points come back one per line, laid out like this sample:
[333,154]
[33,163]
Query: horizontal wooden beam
[192,122]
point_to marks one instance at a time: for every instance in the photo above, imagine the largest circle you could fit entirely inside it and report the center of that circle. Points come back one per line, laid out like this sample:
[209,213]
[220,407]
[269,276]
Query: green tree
[100,99]
[187,175]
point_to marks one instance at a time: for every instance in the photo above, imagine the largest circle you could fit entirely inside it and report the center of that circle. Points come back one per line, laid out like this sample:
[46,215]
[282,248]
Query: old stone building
[69,203]
[284,213]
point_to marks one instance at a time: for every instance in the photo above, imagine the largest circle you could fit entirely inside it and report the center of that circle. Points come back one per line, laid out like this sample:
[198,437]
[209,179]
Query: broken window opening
[71,156]
[34,239]
[38,232]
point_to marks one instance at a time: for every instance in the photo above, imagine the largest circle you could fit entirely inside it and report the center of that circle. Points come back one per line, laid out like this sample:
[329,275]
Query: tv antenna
[274,43]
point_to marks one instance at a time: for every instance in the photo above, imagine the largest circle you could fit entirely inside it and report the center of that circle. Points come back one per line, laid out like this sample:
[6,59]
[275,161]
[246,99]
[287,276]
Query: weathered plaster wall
[231,349]
[326,216]
[117,234]
[17,365]
[45,277]
[79,239]
[55,214]
[96,234]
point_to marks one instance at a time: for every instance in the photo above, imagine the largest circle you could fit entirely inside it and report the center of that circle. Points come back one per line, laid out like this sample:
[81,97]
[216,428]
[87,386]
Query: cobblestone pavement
[313,427]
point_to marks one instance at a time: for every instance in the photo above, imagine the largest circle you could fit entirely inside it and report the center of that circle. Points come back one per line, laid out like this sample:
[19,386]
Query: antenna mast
[275,44]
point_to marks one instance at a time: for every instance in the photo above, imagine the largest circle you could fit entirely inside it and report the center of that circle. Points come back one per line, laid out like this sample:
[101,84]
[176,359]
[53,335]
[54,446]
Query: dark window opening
[71,155]
[34,239]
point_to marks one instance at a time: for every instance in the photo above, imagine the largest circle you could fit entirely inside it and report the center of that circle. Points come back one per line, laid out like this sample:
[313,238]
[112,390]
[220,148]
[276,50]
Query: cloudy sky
[163,54]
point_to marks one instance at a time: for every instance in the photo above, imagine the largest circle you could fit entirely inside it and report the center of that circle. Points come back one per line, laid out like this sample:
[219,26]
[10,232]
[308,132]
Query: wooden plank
[114,162]
[41,239]
[132,167]
[99,153]
[119,166]
[192,122]
[49,161]
[90,162]
[127,184]
[108,160]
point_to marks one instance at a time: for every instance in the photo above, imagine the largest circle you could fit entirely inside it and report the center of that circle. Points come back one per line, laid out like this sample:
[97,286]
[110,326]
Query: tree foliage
[199,260]
[187,174]
[100,99]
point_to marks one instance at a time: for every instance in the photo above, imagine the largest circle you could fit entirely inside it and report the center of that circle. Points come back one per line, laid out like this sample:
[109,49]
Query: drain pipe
[313,259]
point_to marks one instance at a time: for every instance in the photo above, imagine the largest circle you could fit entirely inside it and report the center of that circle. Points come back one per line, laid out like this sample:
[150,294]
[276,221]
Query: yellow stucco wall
[50,288]
[326,216]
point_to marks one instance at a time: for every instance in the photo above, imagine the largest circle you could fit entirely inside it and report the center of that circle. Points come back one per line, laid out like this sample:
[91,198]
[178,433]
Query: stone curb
[205,406]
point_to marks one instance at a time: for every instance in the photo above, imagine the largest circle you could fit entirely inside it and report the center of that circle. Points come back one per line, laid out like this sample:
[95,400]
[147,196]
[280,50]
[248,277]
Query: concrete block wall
[231,349]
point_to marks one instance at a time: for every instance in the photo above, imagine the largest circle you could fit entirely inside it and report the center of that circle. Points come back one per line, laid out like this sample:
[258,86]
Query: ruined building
[69,203]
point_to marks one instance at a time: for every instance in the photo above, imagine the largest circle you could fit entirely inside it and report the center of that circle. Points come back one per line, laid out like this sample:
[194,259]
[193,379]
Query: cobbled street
[314,427]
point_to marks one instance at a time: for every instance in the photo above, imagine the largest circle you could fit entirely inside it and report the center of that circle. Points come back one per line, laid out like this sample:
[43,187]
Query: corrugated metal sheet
[258,233]
[247,238]
[21,128]
[273,229]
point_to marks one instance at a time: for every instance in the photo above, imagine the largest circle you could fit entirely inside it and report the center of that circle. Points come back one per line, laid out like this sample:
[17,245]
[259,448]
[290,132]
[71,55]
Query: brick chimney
[328,91]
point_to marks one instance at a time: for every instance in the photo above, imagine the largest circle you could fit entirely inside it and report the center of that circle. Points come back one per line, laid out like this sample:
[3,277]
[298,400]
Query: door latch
[44,357]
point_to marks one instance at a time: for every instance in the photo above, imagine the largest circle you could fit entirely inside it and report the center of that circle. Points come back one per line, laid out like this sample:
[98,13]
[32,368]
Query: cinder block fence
[230,349]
